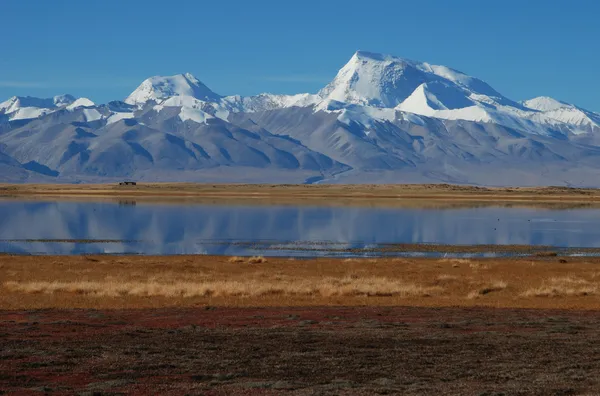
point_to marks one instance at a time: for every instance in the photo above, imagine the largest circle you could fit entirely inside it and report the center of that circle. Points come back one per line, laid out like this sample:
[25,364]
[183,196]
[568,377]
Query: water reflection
[125,227]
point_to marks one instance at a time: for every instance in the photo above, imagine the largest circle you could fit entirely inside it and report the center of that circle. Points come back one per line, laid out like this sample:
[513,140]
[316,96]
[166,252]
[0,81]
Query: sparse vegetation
[476,265]
[350,285]
[447,277]
[249,260]
[564,287]
[487,289]
[455,261]
[257,260]
[546,254]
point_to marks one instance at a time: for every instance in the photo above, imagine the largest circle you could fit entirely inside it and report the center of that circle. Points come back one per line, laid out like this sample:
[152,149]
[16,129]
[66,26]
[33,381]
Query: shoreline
[407,194]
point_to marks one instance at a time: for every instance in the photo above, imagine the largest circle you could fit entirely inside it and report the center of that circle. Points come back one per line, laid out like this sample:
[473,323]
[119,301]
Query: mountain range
[382,119]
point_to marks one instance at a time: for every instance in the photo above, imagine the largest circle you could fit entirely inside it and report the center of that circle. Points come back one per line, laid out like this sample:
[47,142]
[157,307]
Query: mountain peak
[370,79]
[584,120]
[545,103]
[63,100]
[190,77]
[160,88]
[386,81]
[16,102]
[367,55]
[26,107]
[81,102]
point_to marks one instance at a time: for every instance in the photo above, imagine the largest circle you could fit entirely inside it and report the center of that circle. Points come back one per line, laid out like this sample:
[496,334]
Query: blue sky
[104,49]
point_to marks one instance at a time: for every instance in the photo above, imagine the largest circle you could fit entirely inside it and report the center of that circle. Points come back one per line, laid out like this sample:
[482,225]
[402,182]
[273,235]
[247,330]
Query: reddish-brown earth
[316,350]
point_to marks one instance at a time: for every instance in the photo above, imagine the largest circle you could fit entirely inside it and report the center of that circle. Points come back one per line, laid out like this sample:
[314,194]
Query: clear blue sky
[104,49]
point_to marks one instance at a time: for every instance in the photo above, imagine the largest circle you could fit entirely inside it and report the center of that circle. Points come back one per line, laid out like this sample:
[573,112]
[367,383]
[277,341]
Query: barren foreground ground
[326,350]
[189,325]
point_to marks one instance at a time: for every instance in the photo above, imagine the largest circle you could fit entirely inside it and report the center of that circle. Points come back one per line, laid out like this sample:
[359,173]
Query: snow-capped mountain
[19,107]
[160,88]
[386,81]
[561,112]
[381,119]
[24,108]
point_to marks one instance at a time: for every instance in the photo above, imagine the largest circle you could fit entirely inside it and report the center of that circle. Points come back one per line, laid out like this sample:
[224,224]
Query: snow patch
[195,115]
[92,114]
[115,117]
[544,103]
[81,102]
[26,113]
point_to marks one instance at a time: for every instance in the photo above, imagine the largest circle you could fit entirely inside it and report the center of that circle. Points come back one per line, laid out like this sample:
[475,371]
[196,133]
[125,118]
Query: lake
[67,227]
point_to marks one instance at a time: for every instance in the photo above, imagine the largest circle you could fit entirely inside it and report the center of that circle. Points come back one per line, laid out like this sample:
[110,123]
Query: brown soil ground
[300,351]
[405,195]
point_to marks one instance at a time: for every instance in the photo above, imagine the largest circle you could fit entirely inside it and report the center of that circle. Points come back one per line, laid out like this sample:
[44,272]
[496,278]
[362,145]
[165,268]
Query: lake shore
[417,195]
[116,282]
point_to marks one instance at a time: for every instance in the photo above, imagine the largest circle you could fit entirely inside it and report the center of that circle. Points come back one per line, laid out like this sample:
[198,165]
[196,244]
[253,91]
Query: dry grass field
[162,281]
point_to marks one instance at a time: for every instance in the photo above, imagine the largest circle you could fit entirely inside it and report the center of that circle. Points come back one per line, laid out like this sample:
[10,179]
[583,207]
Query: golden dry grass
[249,260]
[478,265]
[456,262]
[154,281]
[257,260]
[327,287]
[487,289]
[447,278]
[567,286]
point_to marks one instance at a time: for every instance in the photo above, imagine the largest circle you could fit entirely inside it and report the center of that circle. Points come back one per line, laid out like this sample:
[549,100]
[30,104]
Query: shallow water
[65,227]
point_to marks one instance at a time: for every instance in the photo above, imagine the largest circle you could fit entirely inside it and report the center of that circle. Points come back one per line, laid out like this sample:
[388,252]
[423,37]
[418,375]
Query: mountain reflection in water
[65,227]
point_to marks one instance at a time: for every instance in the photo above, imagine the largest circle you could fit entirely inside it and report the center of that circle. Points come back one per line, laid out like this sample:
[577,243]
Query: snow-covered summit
[63,100]
[583,120]
[17,102]
[81,102]
[386,81]
[158,88]
[545,103]
[26,107]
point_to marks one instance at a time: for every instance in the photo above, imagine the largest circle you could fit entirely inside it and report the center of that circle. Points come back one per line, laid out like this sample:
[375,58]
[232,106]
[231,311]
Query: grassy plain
[185,281]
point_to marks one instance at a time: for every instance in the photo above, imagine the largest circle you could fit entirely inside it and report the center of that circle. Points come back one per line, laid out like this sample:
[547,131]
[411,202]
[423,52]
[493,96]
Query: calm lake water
[66,227]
